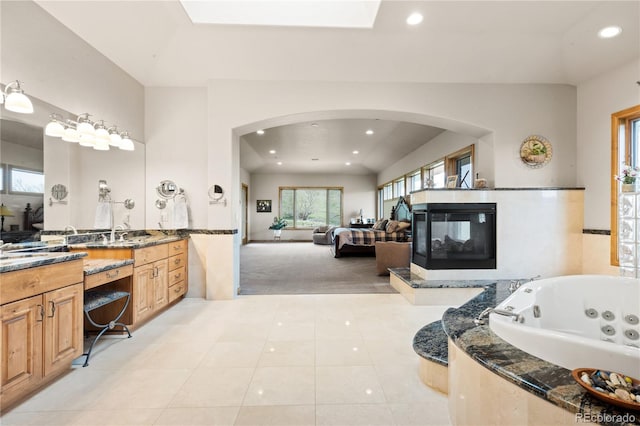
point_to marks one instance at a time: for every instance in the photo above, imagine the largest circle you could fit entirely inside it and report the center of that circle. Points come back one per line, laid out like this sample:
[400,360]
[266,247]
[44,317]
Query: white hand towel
[180,213]
[103,216]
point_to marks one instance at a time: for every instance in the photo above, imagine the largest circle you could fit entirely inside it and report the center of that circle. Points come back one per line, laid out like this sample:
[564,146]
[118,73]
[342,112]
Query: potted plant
[628,178]
[277,225]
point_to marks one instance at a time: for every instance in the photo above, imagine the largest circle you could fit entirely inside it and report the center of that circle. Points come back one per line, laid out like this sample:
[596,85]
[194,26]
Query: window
[625,148]
[398,187]
[1,178]
[434,175]
[25,181]
[461,163]
[387,191]
[310,207]
[414,181]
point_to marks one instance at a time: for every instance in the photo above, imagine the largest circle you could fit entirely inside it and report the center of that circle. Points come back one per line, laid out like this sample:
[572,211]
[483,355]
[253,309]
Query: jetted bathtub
[575,321]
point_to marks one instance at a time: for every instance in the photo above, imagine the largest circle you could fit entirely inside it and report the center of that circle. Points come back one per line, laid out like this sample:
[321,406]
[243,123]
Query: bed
[363,241]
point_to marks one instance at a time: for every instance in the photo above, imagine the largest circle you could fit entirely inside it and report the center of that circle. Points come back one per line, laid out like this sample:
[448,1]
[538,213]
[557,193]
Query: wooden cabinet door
[20,347]
[161,284]
[143,291]
[63,333]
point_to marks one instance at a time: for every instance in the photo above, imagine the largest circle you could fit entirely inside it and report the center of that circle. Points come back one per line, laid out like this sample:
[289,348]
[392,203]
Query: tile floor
[256,360]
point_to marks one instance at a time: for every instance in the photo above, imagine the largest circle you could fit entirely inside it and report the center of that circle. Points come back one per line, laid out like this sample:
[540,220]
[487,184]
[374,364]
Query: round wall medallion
[59,192]
[535,151]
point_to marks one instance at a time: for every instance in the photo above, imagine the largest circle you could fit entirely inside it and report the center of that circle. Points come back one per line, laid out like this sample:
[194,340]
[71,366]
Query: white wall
[598,98]
[176,148]
[359,193]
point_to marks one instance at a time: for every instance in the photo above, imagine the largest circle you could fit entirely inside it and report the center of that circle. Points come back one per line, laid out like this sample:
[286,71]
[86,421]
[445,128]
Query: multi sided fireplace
[454,235]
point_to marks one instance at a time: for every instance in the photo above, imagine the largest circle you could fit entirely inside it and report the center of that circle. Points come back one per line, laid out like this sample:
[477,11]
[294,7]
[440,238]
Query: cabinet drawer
[178,261]
[177,290]
[25,283]
[177,275]
[150,254]
[177,247]
[100,278]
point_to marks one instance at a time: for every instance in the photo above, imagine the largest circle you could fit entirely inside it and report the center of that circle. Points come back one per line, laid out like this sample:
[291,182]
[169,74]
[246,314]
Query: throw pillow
[402,226]
[392,226]
[380,225]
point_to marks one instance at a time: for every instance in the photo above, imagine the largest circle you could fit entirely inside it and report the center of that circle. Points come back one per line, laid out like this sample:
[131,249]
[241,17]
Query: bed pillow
[396,226]
[380,225]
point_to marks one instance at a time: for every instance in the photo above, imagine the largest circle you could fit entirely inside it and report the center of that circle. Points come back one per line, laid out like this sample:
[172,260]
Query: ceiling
[458,42]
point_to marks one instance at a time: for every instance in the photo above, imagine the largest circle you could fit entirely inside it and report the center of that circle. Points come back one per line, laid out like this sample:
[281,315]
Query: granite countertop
[15,261]
[549,381]
[95,266]
[133,243]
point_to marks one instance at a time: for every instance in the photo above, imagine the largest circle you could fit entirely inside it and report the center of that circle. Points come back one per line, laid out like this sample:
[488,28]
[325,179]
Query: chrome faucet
[72,228]
[112,237]
[482,318]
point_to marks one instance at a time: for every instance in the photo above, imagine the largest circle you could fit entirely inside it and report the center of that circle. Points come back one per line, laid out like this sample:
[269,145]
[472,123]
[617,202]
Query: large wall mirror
[47,163]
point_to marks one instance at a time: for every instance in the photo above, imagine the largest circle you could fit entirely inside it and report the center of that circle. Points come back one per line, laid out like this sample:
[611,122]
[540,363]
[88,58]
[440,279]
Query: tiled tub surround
[493,382]
[542,225]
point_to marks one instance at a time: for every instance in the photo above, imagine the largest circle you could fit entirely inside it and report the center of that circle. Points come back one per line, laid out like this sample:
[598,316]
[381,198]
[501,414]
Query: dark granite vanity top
[546,380]
[95,266]
[133,243]
[15,261]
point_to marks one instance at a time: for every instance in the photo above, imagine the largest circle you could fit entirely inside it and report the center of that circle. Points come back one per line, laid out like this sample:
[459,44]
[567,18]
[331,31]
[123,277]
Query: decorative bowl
[604,396]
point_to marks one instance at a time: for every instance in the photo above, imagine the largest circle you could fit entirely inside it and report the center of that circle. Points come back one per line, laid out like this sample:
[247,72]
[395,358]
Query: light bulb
[54,129]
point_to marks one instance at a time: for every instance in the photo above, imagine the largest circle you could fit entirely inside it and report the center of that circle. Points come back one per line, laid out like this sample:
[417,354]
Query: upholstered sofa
[323,235]
[392,254]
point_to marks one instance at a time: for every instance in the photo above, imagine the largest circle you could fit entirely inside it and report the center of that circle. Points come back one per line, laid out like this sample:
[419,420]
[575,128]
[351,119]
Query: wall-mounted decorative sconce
[216,195]
[82,130]
[15,100]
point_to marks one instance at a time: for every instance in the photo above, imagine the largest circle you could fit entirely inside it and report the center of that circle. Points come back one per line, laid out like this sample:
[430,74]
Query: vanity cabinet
[159,275]
[41,333]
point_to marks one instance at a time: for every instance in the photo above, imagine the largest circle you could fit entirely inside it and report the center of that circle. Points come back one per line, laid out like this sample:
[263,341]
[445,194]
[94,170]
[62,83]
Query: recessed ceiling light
[279,163]
[347,163]
[315,159]
[610,31]
[260,132]
[273,151]
[314,124]
[369,132]
[414,19]
[356,152]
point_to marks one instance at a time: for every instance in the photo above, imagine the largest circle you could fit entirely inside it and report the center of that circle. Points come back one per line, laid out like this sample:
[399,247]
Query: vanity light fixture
[96,135]
[54,128]
[127,143]
[15,100]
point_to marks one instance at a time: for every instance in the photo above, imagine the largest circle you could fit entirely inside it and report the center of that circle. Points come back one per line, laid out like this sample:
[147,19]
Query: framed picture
[452,181]
[263,206]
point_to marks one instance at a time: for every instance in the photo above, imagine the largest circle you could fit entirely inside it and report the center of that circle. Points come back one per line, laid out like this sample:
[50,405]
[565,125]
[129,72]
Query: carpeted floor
[306,268]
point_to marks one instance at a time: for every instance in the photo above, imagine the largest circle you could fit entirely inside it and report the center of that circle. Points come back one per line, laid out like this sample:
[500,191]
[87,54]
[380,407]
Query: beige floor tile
[353,415]
[284,415]
[348,385]
[147,388]
[213,387]
[233,354]
[194,416]
[432,413]
[288,353]
[342,352]
[337,327]
[292,330]
[281,386]
[126,417]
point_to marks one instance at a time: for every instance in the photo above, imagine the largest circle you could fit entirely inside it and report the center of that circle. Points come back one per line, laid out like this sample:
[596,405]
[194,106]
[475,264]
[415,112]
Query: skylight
[291,13]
